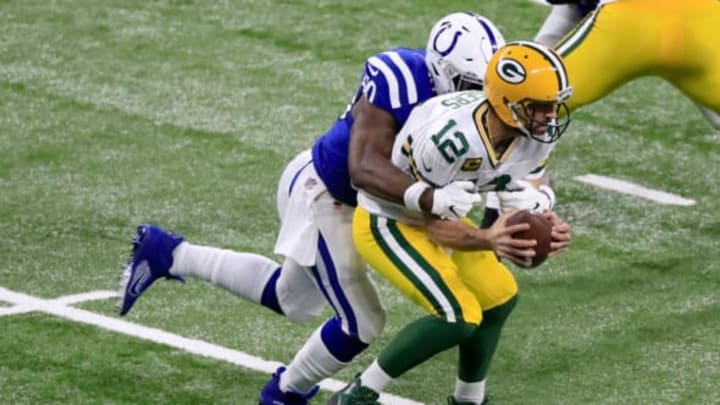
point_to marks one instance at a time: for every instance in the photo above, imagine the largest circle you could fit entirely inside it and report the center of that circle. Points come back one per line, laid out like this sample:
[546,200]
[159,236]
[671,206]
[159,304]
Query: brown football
[540,230]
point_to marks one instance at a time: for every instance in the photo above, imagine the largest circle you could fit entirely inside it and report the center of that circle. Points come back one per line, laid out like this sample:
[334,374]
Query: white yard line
[633,189]
[23,303]
[90,296]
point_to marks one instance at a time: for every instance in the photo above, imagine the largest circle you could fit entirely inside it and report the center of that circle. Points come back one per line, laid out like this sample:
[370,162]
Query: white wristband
[411,196]
[545,189]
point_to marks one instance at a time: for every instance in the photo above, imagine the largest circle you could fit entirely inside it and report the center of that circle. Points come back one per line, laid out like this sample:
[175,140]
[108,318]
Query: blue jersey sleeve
[396,81]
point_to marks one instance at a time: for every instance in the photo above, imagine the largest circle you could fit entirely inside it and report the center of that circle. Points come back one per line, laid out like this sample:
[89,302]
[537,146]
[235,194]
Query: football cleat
[355,394]
[271,394]
[151,259]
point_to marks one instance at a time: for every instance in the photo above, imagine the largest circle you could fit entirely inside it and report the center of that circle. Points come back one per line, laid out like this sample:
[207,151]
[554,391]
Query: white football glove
[455,200]
[529,198]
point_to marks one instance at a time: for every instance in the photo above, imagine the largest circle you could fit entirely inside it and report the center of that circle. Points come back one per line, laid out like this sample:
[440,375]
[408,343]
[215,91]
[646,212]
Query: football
[540,230]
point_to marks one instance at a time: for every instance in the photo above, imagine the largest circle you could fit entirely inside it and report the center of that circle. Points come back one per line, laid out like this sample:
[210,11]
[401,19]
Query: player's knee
[302,313]
[300,316]
[372,326]
[467,311]
[460,331]
[501,312]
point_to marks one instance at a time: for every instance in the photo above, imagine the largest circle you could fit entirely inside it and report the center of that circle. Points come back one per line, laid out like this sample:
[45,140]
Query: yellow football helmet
[522,73]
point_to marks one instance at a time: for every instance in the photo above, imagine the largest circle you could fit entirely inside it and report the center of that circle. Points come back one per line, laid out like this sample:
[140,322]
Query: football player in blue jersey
[316,198]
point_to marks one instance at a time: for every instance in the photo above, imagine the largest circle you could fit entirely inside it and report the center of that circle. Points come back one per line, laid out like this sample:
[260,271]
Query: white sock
[375,378]
[312,364]
[473,392]
[243,274]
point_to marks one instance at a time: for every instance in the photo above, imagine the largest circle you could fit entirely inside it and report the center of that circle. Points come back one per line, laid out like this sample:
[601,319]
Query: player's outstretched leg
[271,393]
[151,258]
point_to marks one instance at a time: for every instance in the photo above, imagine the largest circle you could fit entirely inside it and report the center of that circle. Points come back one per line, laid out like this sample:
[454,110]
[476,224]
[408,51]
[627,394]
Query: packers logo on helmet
[511,71]
[521,74]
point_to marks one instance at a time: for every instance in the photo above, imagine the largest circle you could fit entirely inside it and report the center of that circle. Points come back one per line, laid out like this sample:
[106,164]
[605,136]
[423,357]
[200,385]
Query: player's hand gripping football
[560,233]
[455,200]
[518,251]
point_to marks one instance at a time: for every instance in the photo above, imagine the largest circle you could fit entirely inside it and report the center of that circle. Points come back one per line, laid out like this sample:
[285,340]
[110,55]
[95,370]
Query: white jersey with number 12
[446,139]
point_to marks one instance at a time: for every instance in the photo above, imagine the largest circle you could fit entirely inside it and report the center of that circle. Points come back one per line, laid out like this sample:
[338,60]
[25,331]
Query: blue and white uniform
[394,81]
[316,201]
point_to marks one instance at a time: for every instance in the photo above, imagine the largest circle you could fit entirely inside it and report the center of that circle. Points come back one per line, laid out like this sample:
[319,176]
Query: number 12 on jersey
[450,147]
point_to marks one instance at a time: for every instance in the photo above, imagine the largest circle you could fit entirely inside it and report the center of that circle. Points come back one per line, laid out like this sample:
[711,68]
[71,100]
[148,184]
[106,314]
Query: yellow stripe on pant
[456,286]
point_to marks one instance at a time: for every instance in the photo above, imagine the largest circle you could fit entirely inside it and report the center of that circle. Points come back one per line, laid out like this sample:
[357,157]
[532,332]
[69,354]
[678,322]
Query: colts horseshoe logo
[511,71]
[446,26]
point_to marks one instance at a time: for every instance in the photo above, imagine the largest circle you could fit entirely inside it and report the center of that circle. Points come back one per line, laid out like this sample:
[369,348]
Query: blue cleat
[151,259]
[271,393]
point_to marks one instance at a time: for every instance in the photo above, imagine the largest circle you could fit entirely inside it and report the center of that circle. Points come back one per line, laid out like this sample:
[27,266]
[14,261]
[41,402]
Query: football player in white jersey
[316,199]
[461,141]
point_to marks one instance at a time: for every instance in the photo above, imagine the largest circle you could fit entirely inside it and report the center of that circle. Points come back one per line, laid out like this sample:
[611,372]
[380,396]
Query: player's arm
[371,141]
[369,158]
[459,235]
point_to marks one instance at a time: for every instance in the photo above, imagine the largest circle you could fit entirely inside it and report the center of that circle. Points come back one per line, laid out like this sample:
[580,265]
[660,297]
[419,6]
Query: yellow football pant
[456,286]
[623,40]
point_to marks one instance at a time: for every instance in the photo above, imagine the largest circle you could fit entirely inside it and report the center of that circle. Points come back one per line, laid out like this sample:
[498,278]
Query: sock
[312,363]
[375,378]
[269,297]
[243,274]
[342,346]
[419,341]
[473,392]
[477,351]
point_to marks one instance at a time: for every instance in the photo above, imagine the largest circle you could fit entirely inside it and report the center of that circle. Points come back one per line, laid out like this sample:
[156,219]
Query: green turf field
[184,112]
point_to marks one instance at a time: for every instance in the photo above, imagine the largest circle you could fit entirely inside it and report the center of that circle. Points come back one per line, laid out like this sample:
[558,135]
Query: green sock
[419,341]
[477,350]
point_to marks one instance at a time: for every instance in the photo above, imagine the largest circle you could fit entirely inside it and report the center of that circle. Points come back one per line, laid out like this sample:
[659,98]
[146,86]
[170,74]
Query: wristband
[545,189]
[411,196]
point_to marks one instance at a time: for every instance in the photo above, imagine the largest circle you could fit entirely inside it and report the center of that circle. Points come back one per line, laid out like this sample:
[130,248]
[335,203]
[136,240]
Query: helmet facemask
[449,79]
[465,82]
[523,117]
